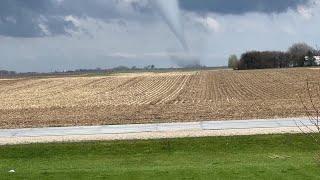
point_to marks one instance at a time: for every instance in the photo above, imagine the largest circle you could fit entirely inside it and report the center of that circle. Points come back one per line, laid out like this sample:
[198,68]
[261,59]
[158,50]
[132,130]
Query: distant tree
[233,62]
[121,68]
[263,59]
[150,67]
[7,73]
[298,52]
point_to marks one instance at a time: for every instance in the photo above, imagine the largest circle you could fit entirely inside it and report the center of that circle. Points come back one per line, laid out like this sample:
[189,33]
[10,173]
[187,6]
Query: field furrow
[158,97]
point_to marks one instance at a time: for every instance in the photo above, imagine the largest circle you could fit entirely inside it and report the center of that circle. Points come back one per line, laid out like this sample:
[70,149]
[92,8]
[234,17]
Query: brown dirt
[161,97]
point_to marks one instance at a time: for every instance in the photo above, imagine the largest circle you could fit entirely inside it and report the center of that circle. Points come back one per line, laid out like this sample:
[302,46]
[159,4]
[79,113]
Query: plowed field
[156,97]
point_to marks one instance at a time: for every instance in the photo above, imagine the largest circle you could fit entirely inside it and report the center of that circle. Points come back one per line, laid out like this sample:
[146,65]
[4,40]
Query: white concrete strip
[257,123]
[160,130]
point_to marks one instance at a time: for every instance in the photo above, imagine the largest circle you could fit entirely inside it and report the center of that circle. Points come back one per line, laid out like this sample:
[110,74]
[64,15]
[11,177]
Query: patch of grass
[243,157]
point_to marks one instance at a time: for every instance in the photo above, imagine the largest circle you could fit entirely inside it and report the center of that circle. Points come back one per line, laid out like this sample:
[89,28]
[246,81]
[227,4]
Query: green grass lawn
[244,157]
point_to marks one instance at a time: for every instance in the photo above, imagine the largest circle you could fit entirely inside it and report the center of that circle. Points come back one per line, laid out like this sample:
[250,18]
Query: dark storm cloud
[36,18]
[104,9]
[21,18]
[240,6]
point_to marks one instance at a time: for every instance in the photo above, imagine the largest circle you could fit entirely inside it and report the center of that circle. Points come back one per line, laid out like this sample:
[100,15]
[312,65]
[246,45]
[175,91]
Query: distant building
[317,59]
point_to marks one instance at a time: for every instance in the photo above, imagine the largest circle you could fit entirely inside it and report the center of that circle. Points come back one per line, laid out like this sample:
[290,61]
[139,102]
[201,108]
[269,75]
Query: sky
[58,35]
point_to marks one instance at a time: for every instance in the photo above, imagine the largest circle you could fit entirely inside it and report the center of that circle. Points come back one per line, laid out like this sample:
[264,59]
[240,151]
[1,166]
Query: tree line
[298,55]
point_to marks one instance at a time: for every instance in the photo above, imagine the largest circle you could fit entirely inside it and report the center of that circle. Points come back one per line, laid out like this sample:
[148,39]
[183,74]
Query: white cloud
[305,12]
[44,29]
[73,20]
[208,22]
[213,24]
[123,55]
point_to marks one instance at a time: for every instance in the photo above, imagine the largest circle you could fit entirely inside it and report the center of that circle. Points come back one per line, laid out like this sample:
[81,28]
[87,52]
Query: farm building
[317,59]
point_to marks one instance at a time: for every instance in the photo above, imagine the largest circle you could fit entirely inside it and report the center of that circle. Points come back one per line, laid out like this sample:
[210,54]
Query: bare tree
[310,103]
[298,52]
[233,62]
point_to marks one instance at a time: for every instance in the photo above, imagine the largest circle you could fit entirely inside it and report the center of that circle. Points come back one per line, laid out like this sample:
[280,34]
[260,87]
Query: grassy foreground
[245,157]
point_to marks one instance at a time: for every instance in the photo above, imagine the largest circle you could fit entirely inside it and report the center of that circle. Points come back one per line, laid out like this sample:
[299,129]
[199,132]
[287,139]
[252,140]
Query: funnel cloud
[170,12]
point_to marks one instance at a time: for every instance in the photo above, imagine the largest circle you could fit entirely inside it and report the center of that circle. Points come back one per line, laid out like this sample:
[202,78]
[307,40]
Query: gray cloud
[32,18]
[240,6]
[37,18]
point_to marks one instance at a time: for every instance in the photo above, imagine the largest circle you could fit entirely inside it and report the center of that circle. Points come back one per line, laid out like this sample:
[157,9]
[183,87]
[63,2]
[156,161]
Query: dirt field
[155,97]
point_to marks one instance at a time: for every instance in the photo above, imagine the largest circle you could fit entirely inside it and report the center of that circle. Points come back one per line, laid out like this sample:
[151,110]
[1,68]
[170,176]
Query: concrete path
[146,131]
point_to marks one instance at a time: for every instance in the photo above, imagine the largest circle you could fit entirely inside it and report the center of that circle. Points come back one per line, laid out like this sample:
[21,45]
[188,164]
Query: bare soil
[157,97]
